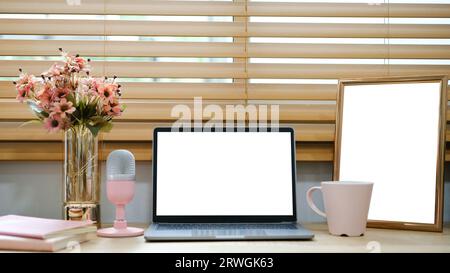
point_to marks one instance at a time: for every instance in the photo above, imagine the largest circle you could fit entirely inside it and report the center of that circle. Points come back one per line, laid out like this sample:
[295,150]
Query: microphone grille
[120,165]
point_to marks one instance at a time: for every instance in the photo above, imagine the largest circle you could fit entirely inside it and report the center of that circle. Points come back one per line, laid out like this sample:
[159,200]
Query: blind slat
[18,151]
[141,150]
[120,27]
[208,91]
[147,110]
[54,151]
[308,112]
[137,69]
[222,8]
[163,90]
[336,71]
[314,152]
[219,49]
[216,91]
[120,7]
[121,48]
[143,131]
[223,29]
[330,30]
[365,51]
[292,91]
[313,132]
[235,70]
[348,10]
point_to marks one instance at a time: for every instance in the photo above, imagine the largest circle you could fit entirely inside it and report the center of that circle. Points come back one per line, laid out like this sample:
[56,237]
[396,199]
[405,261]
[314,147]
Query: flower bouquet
[67,98]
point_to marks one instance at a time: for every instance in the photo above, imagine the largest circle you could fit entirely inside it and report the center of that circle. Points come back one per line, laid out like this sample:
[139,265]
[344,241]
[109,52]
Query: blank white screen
[224,173]
[390,137]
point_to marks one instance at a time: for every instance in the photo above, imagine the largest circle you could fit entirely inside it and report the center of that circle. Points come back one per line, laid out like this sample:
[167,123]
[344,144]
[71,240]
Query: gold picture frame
[439,191]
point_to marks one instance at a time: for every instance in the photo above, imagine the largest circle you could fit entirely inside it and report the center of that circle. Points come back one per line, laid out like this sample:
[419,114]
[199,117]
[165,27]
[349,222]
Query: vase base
[82,211]
[122,232]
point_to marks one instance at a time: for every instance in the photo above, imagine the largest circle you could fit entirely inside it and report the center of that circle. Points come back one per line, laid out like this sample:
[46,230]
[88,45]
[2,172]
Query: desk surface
[375,240]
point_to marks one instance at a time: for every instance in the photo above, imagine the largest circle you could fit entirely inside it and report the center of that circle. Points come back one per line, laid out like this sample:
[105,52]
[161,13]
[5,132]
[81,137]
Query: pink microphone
[120,184]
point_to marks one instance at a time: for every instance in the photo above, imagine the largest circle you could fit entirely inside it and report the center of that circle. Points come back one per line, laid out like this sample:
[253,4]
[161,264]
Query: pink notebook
[52,244]
[40,228]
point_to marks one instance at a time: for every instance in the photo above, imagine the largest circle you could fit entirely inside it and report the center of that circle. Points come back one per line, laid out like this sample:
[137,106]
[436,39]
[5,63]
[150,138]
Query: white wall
[35,189]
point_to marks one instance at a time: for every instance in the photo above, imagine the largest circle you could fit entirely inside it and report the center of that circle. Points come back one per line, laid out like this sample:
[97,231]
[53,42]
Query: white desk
[376,240]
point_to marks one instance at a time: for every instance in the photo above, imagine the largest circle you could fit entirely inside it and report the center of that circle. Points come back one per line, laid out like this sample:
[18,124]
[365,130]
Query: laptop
[235,184]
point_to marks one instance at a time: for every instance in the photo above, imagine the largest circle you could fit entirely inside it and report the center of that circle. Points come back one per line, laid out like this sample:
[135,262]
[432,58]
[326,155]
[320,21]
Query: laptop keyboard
[226,229]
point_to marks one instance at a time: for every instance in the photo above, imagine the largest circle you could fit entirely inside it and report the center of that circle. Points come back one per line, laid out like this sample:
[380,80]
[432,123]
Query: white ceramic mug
[346,206]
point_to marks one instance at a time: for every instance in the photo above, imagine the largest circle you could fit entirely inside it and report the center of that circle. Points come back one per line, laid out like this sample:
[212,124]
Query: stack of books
[39,234]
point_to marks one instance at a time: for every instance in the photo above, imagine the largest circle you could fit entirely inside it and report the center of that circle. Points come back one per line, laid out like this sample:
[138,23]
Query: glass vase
[81,179]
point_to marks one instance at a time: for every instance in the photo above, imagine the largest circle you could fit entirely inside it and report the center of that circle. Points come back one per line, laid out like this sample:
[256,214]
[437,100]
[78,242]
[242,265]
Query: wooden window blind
[228,52]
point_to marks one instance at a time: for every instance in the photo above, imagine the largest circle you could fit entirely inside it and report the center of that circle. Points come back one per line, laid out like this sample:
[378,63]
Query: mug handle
[311,203]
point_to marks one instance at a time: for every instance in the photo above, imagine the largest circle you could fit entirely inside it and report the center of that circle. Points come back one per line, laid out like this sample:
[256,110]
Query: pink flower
[59,93]
[54,70]
[98,84]
[62,108]
[80,62]
[22,94]
[45,96]
[54,123]
[25,84]
[75,64]
[112,109]
[107,92]
[87,85]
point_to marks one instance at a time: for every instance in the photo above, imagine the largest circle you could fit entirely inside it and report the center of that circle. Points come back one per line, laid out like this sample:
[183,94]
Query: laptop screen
[224,173]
